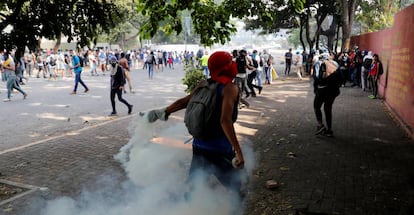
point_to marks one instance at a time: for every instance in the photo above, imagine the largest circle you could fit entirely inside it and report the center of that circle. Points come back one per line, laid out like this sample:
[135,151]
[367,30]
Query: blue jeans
[150,70]
[78,79]
[267,72]
[206,72]
[11,83]
[3,77]
[259,77]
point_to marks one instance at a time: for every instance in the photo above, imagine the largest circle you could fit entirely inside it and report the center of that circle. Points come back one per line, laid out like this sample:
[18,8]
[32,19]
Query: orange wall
[395,47]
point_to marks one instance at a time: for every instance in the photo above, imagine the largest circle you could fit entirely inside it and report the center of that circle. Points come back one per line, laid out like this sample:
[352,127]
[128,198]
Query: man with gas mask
[117,85]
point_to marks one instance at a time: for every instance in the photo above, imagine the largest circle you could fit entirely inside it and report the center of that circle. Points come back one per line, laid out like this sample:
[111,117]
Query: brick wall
[395,47]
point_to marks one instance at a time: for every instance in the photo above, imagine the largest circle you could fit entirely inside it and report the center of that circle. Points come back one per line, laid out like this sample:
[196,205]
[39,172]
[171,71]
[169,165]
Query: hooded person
[221,155]
[365,68]
[117,85]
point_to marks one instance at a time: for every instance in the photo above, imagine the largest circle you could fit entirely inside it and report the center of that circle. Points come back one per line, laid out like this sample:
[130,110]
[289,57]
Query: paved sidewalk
[364,169]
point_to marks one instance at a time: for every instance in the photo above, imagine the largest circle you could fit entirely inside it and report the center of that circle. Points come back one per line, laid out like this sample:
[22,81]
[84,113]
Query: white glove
[153,115]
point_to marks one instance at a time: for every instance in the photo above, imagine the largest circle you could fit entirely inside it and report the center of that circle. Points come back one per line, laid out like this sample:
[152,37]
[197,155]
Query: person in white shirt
[92,62]
[102,61]
[297,62]
[366,66]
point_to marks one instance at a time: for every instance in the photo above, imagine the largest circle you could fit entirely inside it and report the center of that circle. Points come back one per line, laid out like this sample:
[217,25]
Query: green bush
[192,77]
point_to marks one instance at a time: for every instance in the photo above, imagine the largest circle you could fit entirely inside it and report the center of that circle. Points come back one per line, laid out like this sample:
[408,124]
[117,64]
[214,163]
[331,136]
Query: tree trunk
[337,37]
[301,35]
[348,11]
[307,29]
[122,41]
[317,41]
[57,44]
[331,32]
[39,42]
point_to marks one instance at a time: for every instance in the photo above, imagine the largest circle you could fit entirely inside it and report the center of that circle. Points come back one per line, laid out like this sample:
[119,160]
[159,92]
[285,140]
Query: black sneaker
[260,89]
[320,129]
[113,114]
[328,133]
[130,109]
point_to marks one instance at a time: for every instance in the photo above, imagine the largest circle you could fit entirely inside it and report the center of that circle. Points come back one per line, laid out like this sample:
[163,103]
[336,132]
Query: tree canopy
[24,22]
[211,19]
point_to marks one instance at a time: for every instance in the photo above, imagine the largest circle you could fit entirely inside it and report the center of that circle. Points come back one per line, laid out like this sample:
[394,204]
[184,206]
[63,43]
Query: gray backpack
[202,115]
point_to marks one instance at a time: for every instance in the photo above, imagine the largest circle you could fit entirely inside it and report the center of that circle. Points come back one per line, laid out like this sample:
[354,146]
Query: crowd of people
[239,74]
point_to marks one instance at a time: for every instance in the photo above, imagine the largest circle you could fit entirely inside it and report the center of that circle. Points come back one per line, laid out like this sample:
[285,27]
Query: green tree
[211,19]
[24,22]
[308,20]
[377,15]
[294,37]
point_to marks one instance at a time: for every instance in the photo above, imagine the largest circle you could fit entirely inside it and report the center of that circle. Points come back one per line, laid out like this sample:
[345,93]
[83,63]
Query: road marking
[30,189]
[69,133]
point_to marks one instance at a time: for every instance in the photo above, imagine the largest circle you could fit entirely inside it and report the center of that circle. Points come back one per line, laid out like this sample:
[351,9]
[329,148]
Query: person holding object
[215,155]
[327,81]
[117,85]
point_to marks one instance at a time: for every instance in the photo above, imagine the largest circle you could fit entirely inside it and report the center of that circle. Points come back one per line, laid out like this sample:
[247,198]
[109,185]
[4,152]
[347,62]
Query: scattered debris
[7,209]
[271,184]
[291,155]
[284,168]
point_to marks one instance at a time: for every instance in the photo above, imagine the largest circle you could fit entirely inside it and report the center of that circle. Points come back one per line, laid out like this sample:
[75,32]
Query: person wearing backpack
[241,78]
[216,148]
[77,69]
[375,72]
[366,66]
[327,81]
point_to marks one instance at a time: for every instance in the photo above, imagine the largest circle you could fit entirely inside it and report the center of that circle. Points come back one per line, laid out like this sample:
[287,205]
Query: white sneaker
[6,100]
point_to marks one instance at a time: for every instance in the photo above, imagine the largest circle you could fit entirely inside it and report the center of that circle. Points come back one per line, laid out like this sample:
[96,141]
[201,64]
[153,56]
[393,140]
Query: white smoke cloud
[156,162]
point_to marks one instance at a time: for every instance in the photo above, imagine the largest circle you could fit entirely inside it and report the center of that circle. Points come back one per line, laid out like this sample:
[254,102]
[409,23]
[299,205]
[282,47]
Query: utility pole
[187,29]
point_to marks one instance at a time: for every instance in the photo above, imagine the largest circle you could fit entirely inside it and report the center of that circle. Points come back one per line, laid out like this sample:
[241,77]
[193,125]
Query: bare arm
[230,96]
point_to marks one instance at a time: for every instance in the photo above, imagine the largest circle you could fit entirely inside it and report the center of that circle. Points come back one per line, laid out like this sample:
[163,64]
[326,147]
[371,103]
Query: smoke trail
[156,162]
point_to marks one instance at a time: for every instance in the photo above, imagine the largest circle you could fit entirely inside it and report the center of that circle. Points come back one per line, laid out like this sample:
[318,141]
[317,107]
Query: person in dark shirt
[117,85]
[288,61]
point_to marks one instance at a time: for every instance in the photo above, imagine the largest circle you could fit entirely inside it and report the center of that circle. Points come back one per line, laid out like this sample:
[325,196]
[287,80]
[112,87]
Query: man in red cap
[221,155]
